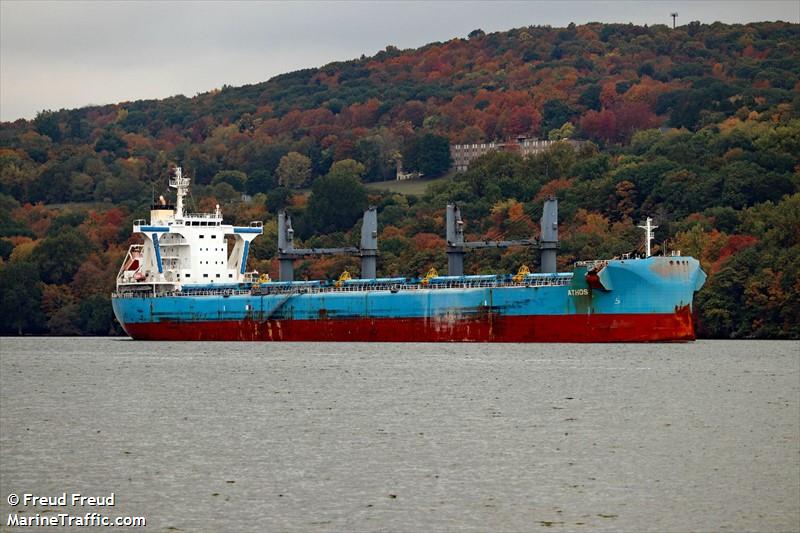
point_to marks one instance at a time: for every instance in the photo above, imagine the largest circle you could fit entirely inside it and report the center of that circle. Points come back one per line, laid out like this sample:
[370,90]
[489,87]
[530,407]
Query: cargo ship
[188,280]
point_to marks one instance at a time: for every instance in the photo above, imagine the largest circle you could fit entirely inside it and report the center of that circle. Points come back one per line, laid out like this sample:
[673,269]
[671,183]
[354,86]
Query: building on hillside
[464,154]
[401,175]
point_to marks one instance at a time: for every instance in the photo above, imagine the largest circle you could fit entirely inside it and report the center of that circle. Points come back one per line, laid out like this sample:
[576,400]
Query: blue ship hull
[615,301]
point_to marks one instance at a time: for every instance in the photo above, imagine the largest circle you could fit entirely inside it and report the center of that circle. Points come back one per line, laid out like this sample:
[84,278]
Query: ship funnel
[369,244]
[548,240]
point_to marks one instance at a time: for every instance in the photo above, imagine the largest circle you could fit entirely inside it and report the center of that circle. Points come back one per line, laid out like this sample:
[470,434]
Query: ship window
[230,275]
[205,275]
[217,275]
[188,275]
[201,236]
[213,236]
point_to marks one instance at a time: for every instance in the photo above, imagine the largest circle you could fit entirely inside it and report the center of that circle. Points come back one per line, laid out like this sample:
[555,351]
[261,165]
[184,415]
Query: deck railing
[269,289]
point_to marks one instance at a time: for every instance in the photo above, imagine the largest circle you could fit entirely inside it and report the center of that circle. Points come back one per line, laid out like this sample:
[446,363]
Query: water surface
[408,437]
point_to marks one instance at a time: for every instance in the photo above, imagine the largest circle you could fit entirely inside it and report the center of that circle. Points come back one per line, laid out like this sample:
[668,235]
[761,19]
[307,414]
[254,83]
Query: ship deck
[356,285]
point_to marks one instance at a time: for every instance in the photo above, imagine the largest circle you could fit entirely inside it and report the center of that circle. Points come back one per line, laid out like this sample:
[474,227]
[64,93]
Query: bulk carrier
[188,280]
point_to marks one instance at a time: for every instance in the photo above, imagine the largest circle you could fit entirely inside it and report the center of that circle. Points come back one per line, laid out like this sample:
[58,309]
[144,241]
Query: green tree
[278,198]
[347,168]
[66,219]
[294,170]
[260,181]
[564,132]
[96,316]
[234,178]
[554,114]
[59,256]
[338,199]
[428,154]
[20,298]
[46,123]
[10,227]
[6,247]
[112,143]
[370,153]
[225,193]
[590,98]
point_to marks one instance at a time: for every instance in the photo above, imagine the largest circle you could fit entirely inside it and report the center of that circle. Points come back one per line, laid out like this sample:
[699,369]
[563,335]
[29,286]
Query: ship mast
[181,185]
[648,234]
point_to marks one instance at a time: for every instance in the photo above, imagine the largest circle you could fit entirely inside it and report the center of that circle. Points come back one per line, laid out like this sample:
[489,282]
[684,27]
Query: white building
[464,154]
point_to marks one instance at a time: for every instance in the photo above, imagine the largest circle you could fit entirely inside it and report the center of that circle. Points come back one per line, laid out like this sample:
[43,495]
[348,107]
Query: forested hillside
[698,127]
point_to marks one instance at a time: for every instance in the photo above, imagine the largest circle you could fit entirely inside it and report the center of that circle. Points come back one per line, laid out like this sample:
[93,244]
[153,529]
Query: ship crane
[457,247]
[368,250]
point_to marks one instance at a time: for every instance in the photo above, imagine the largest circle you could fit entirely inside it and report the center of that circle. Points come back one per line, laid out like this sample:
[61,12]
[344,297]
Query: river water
[407,437]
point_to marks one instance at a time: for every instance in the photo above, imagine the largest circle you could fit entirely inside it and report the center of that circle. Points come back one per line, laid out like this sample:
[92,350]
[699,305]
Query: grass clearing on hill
[416,187]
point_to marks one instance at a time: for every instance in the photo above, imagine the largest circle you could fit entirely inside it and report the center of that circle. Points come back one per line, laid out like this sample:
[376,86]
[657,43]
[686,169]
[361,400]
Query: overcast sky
[70,54]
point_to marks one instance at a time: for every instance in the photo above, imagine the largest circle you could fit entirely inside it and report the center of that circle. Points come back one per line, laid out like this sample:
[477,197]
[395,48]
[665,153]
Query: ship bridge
[183,249]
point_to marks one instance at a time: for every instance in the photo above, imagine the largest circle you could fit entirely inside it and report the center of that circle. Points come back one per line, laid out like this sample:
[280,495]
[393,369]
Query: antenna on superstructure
[181,186]
[648,234]
[674,16]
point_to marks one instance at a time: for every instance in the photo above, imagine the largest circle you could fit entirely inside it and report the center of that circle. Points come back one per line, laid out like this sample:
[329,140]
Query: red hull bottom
[568,328]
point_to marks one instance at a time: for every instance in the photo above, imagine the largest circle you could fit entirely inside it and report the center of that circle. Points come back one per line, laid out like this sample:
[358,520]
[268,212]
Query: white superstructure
[184,250]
